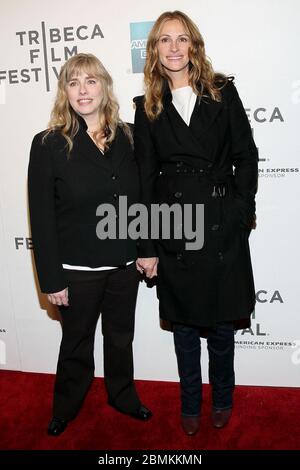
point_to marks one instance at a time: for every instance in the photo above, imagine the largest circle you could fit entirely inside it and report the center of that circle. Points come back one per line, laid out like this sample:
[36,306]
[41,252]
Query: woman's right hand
[59,298]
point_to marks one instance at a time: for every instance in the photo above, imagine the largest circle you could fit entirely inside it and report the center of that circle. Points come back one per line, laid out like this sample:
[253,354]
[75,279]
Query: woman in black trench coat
[194,145]
[85,159]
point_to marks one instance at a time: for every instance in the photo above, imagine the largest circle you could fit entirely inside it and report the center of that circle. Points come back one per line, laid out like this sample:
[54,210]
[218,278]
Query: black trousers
[220,345]
[113,293]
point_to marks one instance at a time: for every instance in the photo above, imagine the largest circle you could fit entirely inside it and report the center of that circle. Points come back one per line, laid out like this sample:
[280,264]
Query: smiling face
[84,93]
[173,46]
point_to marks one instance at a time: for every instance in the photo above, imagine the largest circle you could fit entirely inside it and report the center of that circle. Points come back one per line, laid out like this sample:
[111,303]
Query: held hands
[147,266]
[59,298]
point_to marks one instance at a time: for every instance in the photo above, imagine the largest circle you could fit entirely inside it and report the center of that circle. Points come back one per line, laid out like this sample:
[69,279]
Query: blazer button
[178,194]
[215,227]
[113,177]
[115,196]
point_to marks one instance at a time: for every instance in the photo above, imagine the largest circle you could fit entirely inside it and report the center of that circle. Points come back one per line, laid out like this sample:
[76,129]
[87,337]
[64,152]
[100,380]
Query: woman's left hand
[147,266]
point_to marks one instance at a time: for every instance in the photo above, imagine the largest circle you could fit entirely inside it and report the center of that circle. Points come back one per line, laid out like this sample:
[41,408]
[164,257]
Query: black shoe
[142,413]
[57,426]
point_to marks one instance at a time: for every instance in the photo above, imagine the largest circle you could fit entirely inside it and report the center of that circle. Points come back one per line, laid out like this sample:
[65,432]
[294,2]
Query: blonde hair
[64,119]
[201,73]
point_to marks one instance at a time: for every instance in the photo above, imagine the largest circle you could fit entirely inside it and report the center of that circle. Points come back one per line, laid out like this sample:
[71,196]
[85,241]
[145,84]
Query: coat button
[113,177]
[115,196]
[215,227]
[178,194]
[179,256]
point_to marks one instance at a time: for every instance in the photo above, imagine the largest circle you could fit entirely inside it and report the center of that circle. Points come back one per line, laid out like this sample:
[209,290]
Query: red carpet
[264,418]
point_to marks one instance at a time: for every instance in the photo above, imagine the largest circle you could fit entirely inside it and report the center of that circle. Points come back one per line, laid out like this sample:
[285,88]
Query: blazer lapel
[86,148]
[119,149]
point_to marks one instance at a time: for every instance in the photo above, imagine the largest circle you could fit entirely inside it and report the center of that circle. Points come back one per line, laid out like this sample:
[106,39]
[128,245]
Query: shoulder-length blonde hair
[201,74]
[65,120]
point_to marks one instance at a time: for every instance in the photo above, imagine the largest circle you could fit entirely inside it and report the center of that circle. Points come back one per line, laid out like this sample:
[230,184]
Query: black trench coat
[213,161]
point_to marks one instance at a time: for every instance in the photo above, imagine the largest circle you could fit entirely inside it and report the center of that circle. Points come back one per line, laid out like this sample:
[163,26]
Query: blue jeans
[220,345]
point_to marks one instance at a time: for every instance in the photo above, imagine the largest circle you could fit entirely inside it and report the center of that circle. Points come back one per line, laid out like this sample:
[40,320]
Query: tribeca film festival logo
[262,116]
[46,49]
[256,332]
[138,40]
[257,336]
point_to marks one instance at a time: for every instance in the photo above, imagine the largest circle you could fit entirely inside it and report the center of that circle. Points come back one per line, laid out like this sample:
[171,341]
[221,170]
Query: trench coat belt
[221,185]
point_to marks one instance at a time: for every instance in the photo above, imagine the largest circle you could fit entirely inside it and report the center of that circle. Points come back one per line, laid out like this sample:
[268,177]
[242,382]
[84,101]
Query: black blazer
[64,193]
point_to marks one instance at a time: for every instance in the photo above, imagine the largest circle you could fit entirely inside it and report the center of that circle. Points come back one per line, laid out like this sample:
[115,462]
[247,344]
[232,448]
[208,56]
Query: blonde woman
[194,145]
[85,158]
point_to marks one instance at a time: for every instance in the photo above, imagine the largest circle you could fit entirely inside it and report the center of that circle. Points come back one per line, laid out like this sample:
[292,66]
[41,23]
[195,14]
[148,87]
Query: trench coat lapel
[193,137]
[204,115]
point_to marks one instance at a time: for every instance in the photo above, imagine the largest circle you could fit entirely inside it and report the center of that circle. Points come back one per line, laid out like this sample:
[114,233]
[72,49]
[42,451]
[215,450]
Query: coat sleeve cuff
[146,249]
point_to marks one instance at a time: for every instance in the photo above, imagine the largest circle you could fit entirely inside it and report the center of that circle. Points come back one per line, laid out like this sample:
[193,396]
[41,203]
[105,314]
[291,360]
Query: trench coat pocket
[246,213]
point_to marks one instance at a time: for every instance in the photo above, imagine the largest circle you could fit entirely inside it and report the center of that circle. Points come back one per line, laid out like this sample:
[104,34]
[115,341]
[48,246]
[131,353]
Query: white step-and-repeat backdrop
[256,41]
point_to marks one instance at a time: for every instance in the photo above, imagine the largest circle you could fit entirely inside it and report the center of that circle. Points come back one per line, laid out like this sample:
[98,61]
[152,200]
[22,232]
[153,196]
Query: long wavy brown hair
[65,120]
[202,77]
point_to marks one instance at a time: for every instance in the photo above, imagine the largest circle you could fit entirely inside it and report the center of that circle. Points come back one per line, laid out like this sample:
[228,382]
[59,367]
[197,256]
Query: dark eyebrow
[179,35]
